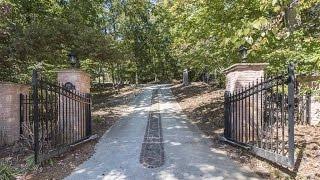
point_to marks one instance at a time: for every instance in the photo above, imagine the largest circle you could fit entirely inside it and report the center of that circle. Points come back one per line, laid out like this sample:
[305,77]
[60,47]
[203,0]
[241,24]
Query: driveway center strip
[152,151]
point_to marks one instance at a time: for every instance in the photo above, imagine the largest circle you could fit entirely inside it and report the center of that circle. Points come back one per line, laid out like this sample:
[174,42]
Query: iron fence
[54,117]
[260,117]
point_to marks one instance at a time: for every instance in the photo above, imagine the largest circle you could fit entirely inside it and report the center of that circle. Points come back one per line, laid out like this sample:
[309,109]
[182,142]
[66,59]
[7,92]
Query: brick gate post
[10,111]
[238,77]
[80,81]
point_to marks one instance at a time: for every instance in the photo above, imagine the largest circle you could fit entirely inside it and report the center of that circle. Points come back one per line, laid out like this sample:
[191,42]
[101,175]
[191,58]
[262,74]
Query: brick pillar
[10,111]
[81,81]
[239,76]
[79,78]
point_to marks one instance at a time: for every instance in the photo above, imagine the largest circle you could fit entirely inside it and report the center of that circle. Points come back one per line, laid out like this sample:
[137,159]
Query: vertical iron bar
[239,115]
[249,115]
[291,91]
[46,116]
[257,114]
[264,119]
[277,117]
[73,115]
[89,122]
[63,116]
[308,108]
[67,118]
[243,117]
[253,114]
[282,115]
[82,105]
[78,116]
[56,128]
[272,117]
[35,114]
[56,115]
[30,112]
[233,116]
[41,116]
[236,116]
[226,119]
[230,114]
[268,112]
[261,112]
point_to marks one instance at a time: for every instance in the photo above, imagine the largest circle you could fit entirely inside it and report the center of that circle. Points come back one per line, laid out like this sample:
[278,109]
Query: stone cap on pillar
[73,70]
[246,67]
[21,87]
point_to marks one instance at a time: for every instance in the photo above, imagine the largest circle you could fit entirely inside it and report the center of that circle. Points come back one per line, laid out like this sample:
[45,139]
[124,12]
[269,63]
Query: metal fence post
[35,114]
[226,115]
[291,92]
[88,119]
[308,108]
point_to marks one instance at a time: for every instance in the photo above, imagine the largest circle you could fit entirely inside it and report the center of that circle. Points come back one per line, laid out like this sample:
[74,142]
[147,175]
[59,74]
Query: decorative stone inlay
[152,152]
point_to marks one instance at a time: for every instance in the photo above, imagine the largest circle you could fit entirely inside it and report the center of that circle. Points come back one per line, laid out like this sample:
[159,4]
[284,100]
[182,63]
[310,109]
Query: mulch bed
[107,108]
[204,107]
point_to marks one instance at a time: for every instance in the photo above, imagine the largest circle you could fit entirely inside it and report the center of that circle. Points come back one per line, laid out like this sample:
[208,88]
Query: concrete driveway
[187,154]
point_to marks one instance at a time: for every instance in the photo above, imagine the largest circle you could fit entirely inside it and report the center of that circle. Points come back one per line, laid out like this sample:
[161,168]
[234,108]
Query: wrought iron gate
[54,117]
[261,118]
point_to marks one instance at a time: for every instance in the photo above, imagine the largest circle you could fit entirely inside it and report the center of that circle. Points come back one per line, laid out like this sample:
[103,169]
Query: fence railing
[54,117]
[261,117]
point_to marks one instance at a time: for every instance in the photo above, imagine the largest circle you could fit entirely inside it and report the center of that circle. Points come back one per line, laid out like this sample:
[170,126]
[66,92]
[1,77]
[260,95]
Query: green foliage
[30,163]
[6,171]
[209,32]
[156,39]
[98,119]
[46,31]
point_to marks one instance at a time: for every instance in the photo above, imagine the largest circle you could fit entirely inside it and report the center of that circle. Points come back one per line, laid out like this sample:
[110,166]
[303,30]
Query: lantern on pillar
[243,53]
[74,62]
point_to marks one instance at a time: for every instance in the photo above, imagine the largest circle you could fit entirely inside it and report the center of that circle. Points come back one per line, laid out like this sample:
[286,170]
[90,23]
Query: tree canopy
[155,39]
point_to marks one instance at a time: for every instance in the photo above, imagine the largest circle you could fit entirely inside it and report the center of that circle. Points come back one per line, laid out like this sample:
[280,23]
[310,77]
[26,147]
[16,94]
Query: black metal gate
[261,118]
[54,117]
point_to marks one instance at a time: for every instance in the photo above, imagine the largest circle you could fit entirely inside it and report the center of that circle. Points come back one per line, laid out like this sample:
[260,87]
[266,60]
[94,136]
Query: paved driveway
[186,154]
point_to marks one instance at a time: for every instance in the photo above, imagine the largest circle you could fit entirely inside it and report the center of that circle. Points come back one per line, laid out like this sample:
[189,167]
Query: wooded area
[155,39]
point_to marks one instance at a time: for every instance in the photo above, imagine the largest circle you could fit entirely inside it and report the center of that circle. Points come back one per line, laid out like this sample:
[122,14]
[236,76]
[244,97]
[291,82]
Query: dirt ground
[204,107]
[108,106]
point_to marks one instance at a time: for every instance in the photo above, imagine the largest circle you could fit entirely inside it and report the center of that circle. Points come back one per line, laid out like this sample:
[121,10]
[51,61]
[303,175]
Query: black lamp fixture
[74,62]
[243,53]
